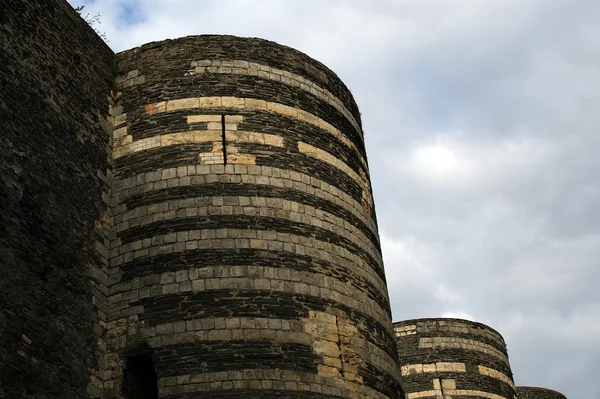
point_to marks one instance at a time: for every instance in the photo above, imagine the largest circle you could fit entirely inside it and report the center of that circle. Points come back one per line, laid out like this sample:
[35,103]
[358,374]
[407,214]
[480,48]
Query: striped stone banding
[483,370]
[257,89]
[284,274]
[254,179]
[265,279]
[463,344]
[255,263]
[200,48]
[324,156]
[199,332]
[239,302]
[269,225]
[235,137]
[181,234]
[278,208]
[271,123]
[240,105]
[453,367]
[239,263]
[275,280]
[267,123]
[248,380]
[472,392]
[195,136]
[459,328]
[476,339]
[184,194]
[157,158]
[183,243]
[241,67]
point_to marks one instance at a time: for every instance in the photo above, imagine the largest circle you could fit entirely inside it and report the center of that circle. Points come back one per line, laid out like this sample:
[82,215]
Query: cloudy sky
[481,120]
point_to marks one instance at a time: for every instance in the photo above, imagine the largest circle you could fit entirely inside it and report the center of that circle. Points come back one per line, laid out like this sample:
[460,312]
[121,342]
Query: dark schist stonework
[245,255]
[452,357]
[538,393]
[55,74]
[171,64]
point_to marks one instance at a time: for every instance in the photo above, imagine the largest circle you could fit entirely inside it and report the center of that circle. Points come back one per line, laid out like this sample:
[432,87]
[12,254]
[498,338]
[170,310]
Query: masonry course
[452,357]
[203,204]
[538,393]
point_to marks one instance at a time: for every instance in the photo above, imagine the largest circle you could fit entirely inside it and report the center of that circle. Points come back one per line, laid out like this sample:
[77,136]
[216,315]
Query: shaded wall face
[246,240]
[538,393]
[54,78]
[454,358]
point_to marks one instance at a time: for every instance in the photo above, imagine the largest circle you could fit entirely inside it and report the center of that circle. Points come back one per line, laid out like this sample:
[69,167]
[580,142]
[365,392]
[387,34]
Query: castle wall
[55,74]
[246,245]
[452,358]
[538,393]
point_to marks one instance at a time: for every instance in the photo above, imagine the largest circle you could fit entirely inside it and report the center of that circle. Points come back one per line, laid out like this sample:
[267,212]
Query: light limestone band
[449,392]
[405,330]
[451,367]
[410,369]
[124,144]
[249,104]
[241,67]
[498,375]
[232,137]
[246,174]
[275,208]
[461,343]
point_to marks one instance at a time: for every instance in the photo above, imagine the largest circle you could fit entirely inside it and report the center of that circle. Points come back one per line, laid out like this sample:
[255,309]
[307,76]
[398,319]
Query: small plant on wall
[93,21]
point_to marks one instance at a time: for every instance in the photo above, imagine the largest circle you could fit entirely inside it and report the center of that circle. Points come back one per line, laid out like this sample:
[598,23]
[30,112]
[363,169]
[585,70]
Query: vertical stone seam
[224,139]
[100,274]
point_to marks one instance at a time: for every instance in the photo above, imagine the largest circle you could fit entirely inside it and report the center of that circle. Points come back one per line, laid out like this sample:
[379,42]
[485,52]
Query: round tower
[538,393]
[246,245]
[455,358]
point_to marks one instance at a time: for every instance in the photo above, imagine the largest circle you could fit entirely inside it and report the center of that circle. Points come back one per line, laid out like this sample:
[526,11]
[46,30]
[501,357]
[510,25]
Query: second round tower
[443,358]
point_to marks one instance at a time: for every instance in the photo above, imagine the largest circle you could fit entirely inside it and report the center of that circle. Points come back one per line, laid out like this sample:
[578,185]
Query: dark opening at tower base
[139,378]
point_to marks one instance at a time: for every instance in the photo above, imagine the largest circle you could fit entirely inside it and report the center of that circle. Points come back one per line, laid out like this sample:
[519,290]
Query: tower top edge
[446,319]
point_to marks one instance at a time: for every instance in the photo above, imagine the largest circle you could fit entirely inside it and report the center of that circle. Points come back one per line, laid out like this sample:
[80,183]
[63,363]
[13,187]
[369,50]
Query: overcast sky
[481,121]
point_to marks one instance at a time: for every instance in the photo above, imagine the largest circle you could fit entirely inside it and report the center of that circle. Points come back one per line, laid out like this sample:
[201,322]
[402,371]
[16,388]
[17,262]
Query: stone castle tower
[450,357]
[245,245]
[215,190]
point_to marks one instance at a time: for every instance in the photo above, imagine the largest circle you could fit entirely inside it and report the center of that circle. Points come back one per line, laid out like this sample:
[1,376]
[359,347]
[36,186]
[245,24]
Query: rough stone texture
[245,257]
[538,393]
[55,75]
[455,358]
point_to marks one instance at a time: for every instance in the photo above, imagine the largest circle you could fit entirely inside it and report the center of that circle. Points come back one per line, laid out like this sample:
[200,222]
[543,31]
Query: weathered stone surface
[452,357]
[220,203]
[538,393]
[245,238]
[55,76]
